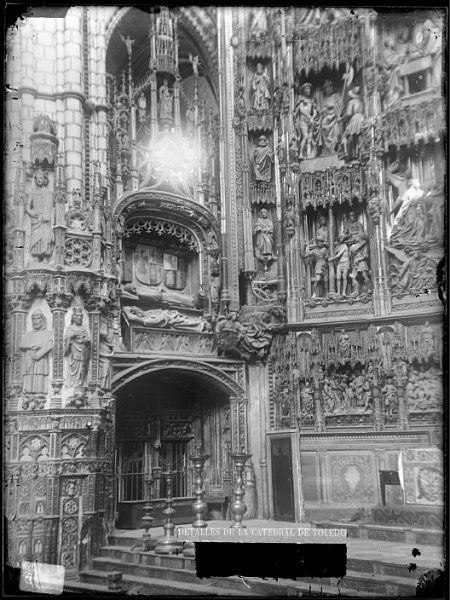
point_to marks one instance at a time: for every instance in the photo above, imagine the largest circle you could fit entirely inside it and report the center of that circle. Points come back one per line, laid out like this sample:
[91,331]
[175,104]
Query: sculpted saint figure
[142,108]
[342,257]
[165,101]
[39,208]
[264,236]
[306,118]
[260,87]
[344,344]
[36,346]
[354,115]
[262,160]
[331,109]
[77,348]
[105,351]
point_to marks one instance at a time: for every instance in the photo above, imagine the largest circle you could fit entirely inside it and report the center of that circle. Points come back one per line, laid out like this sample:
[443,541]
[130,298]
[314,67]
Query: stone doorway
[160,417]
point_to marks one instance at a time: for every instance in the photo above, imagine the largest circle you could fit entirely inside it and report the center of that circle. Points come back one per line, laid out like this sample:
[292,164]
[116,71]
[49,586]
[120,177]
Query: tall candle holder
[146,543]
[168,543]
[198,460]
[238,508]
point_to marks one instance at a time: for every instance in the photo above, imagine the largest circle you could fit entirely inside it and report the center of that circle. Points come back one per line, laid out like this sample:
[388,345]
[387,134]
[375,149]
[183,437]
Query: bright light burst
[169,158]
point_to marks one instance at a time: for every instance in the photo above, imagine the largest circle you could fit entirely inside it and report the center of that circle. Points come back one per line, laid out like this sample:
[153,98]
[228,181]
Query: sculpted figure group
[325,124]
[349,260]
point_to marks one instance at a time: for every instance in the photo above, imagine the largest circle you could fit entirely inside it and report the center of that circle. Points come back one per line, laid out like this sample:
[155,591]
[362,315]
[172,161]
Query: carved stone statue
[190,119]
[427,343]
[77,349]
[307,124]
[391,68]
[322,234]
[264,236]
[342,257]
[262,160]
[165,101]
[353,229]
[344,345]
[159,318]
[354,117]
[319,257]
[389,393]
[36,346]
[105,351]
[256,337]
[330,111]
[409,225]
[307,400]
[142,108]
[413,272]
[39,208]
[260,87]
[359,259]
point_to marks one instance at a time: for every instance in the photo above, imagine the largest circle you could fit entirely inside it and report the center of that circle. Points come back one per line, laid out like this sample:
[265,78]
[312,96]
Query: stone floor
[379,550]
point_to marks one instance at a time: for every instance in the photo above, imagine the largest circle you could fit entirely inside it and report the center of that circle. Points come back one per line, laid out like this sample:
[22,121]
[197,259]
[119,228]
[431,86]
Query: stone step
[359,565]
[380,567]
[388,533]
[125,554]
[354,581]
[81,587]
[151,585]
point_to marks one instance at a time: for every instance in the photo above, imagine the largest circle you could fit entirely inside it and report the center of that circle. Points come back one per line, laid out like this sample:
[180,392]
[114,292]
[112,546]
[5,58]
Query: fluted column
[73,98]
[59,302]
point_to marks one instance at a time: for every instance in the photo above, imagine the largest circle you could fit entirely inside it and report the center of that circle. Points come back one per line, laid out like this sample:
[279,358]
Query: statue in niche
[105,352]
[353,229]
[142,108]
[354,117]
[386,350]
[427,344]
[77,349]
[344,345]
[39,208]
[262,160]
[389,393]
[190,119]
[304,353]
[306,119]
[330,125]
[307,400]
[322,236]
[36,346]
[391,68]
[165,101]
[359,257]
[261,90]
[263,232]
[342,257]
[331,396]
[320,257]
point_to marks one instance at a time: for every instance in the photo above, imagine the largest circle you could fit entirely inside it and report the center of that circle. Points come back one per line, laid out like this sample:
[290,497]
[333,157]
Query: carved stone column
[59,302]
[319,413]
[19,305]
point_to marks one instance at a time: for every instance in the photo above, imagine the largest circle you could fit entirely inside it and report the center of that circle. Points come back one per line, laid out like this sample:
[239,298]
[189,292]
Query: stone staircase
[120,570]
